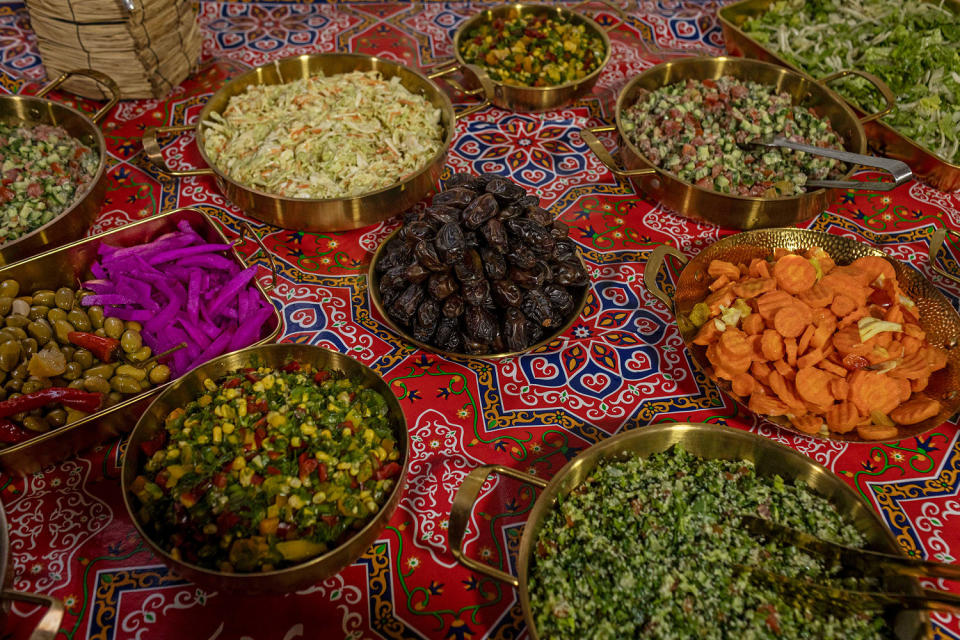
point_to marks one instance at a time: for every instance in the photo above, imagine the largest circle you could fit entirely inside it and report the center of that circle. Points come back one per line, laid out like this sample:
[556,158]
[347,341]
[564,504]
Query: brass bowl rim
[619,445]
[92,128]
[726,22]
[402,431]
[373,293]
[724,386]
[446,110]
[745,62]
[482,16]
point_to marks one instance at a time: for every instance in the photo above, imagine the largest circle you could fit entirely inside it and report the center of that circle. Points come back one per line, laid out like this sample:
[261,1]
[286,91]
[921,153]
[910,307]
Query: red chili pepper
[272,470]
[105,348]
[388,470]
[290,367]
[322,472]
[73,398]
[320,376]
[12,433]
[231,383]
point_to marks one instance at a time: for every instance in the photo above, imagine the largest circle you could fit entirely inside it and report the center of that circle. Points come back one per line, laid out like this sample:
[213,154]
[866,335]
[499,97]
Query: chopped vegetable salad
[324,137]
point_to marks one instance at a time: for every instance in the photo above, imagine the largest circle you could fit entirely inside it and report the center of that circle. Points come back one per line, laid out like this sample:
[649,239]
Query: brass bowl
[373,290]
[704,440]
[324,214]
[64,267]
[928,166]
[72,222]
[937,316]
[190,387]
[725,210]
[523,98]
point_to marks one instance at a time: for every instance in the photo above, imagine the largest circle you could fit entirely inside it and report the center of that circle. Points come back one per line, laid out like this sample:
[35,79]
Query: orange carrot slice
[877,432]
[809,424]
[839,388]
[872,391]
[771,345]
[719,268]
[760,371]
[842,417]
[843,305]
[752,324]
[769,303]
[743,384]
[917,410]
[804,342]
[813,385]
[762,404]
[719,283]
[784,391]
[722,297]
[707,334]
[832,367]
[810,359]
[735,353]
[792,320]
[790,346]
[873,267]
[785,370]
[910,345]
[759,268]
[753,287]
[794,273]
[912,367]
[919,384]
[816,296]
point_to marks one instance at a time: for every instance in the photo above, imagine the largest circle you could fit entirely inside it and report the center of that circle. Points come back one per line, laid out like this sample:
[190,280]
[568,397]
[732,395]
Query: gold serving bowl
[938,318]
[703,440]
[373,289]
[726,210]
[190,387]
[325,214]
[524,98]
[72,222]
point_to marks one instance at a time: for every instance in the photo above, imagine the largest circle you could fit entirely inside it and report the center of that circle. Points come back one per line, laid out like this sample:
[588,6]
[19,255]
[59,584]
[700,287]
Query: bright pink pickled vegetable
[183,289]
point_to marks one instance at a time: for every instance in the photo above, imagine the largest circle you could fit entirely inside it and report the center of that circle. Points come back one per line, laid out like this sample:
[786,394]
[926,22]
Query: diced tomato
[272,470]
[330,521]
[256,480]
[322,472]
[284,530]
[257,407]
[162,478]
[6,195]
[226,521]
[273,455]
[291,367]
[154,444]
[320,376]
[348,425]
[709,82]
[219,480]
[231,383]
[307,466]
[388,470]
[259,434]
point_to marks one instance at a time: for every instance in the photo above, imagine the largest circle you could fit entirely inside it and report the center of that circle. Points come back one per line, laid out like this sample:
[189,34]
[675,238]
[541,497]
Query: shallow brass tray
[524,98]
[73,221]
[326,214]
[738,212]
[189,387]
[927,165]
[704,440]
[373,290]
[937,315]
[64,267]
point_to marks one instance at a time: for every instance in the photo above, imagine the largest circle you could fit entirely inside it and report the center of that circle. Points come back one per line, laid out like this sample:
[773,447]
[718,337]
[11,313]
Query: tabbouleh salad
[43,169]
[268,468]
[645,549]
[697,130]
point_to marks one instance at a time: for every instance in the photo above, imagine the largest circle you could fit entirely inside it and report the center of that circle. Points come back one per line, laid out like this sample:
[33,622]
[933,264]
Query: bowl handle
[616,9]
[463,504]
[650,272]
[936,244]
[245,229]
[589,136]
[877,83]
[49,625]
[100,78]
[151,148]
[484,89]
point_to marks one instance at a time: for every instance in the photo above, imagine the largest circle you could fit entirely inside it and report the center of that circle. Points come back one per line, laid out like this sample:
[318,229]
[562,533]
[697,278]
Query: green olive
[29,386]
[78,318]
[114,397]
[40,330]
[13,385]
[5,303]
[113,327]
[95,314]
[45,383]
[62,329]
[34,423]
[131,371]
[68,350]
[3,376]
[46,297]
[124,384]
[38,311]
[80,295]
[72,372]
[103,370]
[10,352]
[6,334]
[64,298]
[17,321]
[55,314]
[100,332]
[131,341]
[56,418]
[96,383]
[141,354]
[77,384]
[30,347]
[20,371]
[159,374]
[18,333]
[83,357]
[9,288]
[132,325]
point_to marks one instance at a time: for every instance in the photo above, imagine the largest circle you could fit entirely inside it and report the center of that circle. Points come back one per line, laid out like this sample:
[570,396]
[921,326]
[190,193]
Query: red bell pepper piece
[105,348]
[219,480]
[330,521]
[231,383]
[251,377]
[388,470]
[12,433]
[291,367]
[272,470]
[256,479]
[73,398]
[320,376]
[322,472]
[307,466]
[154,444]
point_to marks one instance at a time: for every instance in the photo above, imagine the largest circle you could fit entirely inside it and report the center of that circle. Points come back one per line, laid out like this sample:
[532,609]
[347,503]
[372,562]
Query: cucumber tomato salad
[700,131]
[268,468]
[43,168]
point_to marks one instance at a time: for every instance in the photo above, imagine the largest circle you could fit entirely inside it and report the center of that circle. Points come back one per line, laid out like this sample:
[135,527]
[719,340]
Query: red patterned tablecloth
[622,365]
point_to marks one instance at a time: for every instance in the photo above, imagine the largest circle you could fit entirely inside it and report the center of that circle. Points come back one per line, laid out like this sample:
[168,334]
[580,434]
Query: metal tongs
[897,169]
[855,563]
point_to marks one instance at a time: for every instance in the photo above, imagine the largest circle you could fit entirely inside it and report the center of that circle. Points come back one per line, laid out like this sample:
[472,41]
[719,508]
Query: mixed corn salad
[701,130]
[43,169]
[534,51]
[270,467]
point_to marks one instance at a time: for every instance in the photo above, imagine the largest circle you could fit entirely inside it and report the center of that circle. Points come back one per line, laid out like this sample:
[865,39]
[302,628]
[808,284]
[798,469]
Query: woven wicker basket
[147,49]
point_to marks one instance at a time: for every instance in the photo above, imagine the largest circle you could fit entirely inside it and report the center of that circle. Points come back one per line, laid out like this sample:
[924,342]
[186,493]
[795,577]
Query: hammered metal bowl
[188,388]
[937,316]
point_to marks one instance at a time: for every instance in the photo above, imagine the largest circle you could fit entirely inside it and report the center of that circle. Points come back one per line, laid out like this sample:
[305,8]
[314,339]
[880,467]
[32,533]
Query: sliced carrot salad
[832,348]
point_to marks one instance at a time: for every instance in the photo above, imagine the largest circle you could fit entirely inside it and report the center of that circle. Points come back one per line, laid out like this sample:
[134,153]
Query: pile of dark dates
[483,270]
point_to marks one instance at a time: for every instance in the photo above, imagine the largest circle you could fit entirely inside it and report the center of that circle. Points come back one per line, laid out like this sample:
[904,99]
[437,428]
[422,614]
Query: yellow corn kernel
[394,455]
[368,435]
[347,431]
[217,435]
[296,501]
[295,442]
[241,407]
[210,529]
[268,381]
[343,465]
[209,385]
[326,434]
[273,511]
[218,411]
[230,394]
[275,419]
[203,439]
[308,430]
[371,506]
[238,463]
[258,386]
[228,428]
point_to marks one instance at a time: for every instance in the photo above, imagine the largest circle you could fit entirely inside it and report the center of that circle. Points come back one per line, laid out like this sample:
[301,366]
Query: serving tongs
[898,170]
[854,563]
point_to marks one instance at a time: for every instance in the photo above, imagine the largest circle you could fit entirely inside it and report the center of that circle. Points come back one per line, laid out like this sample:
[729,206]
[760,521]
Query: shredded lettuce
[324,137]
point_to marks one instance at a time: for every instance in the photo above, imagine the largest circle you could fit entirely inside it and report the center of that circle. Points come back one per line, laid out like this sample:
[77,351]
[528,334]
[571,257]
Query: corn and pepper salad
[268,468]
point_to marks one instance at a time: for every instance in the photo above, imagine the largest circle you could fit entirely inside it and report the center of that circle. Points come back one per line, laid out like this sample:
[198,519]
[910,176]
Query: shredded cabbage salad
[324,137]
[913,46]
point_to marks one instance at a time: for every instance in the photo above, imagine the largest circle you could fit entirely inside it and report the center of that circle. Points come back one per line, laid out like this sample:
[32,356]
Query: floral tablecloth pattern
[621,366]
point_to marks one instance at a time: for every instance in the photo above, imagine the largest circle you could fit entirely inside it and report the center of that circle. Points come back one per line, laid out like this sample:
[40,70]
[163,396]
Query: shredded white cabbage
[324,137]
